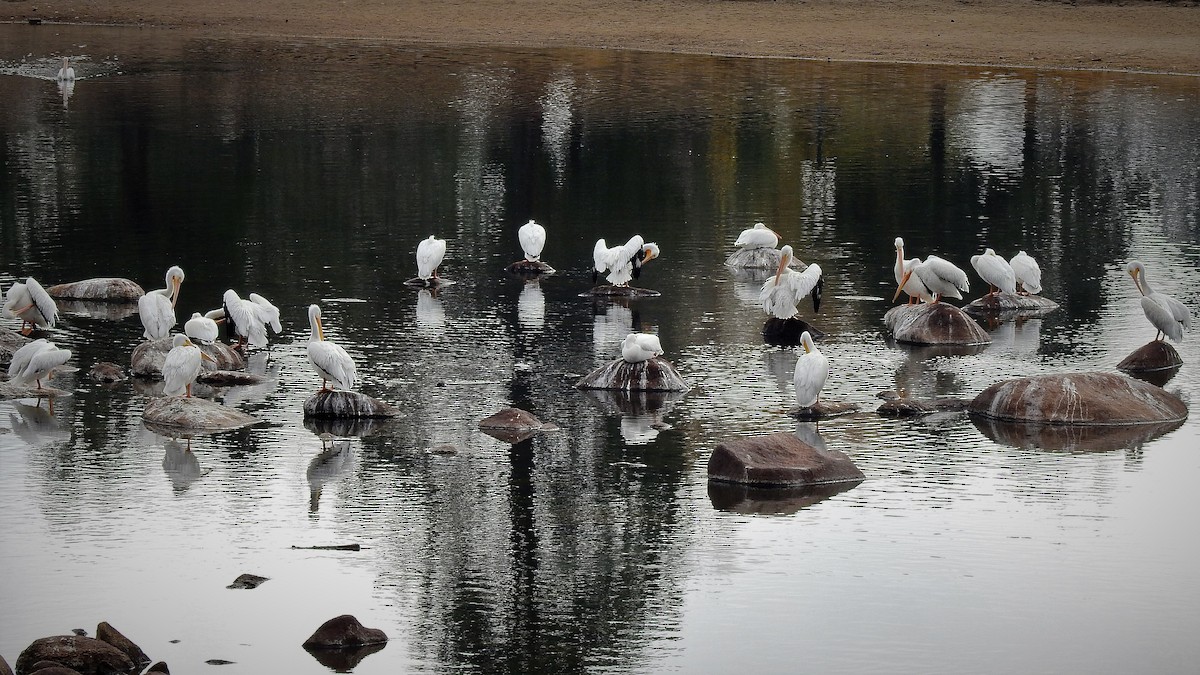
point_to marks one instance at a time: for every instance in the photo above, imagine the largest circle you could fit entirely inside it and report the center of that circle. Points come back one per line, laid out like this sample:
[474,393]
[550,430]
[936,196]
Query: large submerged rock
[936,323]
[786,332]
[513,425]
[759,259]
[148,357]
[335,403]
[529,269]
[1157,356]
[656,374]
[84,655]
[780,460]
[183,414]
[610,291]
[102,289]
[1078,399]
[106,633]
[344,631]
[1011,305]
[10,342]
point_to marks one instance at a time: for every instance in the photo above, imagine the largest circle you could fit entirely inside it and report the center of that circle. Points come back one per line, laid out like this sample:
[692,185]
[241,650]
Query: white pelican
[533,238]
[182,366]
[639,347]
[1167,314]
[244,321]
[623,263]
[913,287]
[35,361]
[781,293]
[812,369]
[157,308]
[429,257]
[941,277]
[267,313]
[201,328]
[330,361]
[759,236]
[996,271]
[1028,272]
[66,73]
[30,303]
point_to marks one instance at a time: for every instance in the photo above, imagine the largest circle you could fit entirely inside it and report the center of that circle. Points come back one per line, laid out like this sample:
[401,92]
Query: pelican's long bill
[903,281]
[784,259]
[1137,282]
[320,331]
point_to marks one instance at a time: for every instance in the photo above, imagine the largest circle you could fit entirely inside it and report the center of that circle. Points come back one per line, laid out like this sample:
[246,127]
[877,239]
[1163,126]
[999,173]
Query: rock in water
[148,357]
[344,631]
[822,410]
[530,269]
[656,374]
[609,291]
[83,654]
[248,581]
[1155,355]
[511,425]
[338,403]
[105,289]
[179,413]
[934,324]
[1011,304]
[779,460]
[786,332]
[10,342]
[759,259]
[4,668]
[913,407]
[1078,398]
[105,632]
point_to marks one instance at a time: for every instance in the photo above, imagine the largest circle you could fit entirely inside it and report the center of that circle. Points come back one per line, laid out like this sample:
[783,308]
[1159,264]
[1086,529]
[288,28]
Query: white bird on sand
[267,313]
[30,303]
[623,263]
[66,73]
[1028,273]
[330,361]
[181,366]
[202,329]
[35,361]
[533,238]
[429,257]
[759,236]
[1170,316]
[913,287]
[244,320]
[639,347]
[996,271]
[812,369]
[940,276]
[157,308]
[781,293]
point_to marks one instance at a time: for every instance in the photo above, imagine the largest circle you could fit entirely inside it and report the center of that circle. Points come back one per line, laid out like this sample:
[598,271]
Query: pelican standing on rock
[35,361]
[244,321]
[533,238]
[623,263]
[996,271]
[330,361]
[1028,273]
[66,73]
[639,347]
[781,293]
[941,277]
[157,308]
[30,303]
[913,287]
[429,257]
[1170,316]
[812,369]
[759,236]
[181,366]
[267,313]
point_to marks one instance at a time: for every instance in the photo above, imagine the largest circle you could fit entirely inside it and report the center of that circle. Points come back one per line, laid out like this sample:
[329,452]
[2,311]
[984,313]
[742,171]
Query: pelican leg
[188,390]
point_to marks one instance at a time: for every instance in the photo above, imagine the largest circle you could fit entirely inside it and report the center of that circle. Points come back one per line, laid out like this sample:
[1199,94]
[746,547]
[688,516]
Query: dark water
[308,172]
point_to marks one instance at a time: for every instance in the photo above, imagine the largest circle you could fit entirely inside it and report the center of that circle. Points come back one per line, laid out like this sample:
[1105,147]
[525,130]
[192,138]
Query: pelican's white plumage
[759,236]
[812,369]
[623,263]
[35,361]
[330,361]
[430,253]
[996,271]
[940,276]
[639,347]
[66,73]
[30,303]
[781,293]
[181,366]
[157,308]
[201,328]
[913,286]
[1027,271]
[244,320]
[533,238]
[1170,316]
[267,313]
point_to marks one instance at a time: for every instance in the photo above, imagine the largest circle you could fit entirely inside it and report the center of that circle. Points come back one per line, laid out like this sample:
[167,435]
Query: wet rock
[344,631]
[529,268]
[609,291]
[934,324]
[107,289]
[1011,305]
[248,581]
[106,633]
[344,660]
[52,668]
[655,374]
[1071,437]
[436,282]
[779,460]
[106,372]
[511,425]
[338,403]
[148,357]
[914,407]
[220,662]
[10,342]
[88,656]
[822,410]
[1153,356]
[4,667]
[79,631]
[444,449]
[759,259]
[1078,398]
[786,332]
[230,378]
[10,391]
[185,414]
[750,500]
[160,667]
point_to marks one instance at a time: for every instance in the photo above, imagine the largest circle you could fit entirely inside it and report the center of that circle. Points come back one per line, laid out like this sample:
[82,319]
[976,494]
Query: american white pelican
[1167,314]
[623,263]
[759,236]
[30,303]
[244,321]
[915,290]
[1028,272]
[639,347]
[941,277]
[533,238]
[781,293]
[157,308]
[996,271]
[812,369]
[66,73]
[35,361]
[182,366]
[201,328]
[330,361]
[429,257]
[267,313]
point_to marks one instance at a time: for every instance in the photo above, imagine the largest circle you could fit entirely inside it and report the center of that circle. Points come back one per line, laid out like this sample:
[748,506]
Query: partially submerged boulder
[779,460]
[822,410]
[10,342]
[114,637]
[1078,399]
[181,413]
[432,282]
[936,323]
[230,378]
[1071,437]
[338,403]
[529,268]
[902,406]
[610,291]
[1157,355]
[786,332]
[1012,305]
[344,631]
[512,425]
[759,259]
[656,374]
[102,289]
[148,357]
[106,372]
[85,655]
[10,391]
[751,500]
[248,581]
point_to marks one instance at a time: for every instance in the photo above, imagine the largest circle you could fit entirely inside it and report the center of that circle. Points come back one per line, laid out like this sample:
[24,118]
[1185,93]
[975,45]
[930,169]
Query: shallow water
[308,172]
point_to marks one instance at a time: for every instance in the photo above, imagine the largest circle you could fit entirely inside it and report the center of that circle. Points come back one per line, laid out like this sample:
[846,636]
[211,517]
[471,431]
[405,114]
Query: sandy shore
[1141,35]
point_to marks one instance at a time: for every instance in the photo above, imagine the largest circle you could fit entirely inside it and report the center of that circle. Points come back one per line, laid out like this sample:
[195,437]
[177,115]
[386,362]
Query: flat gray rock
[180,413]
[934,324]
[1011,305]
[528,268]
[759,259]
[609,291]
[656,374]
[148,357]
[914,407]
[1079,399]
[822,410]
[105,289]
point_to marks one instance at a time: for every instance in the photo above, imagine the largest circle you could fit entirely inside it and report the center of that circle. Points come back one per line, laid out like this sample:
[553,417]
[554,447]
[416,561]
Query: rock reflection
[180,464]
[747,500]
[259,363]
[358,427]
[1072,438]
[344,660]
[335,458]
[1013,336]
[110,311]
[641,412]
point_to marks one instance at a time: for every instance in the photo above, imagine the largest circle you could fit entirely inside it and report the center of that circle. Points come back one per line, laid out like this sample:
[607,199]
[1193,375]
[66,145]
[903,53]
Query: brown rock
[511,425]
[786,332]
[937,323]
[1011,305]
[148,357]
[193,414]
[337,403]
[822,410]
[248,581]
[344,631]
[160,667]
[106,633]
[4,667]
[106,371]
[51,668]
[107,289]
[88,656]
[780,459]
[10,342]
[530,269]
[914,407]
[656,374]
[1153,356]
[1078,398]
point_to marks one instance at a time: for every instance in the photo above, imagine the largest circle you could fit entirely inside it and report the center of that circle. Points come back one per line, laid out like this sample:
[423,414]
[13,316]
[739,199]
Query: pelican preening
[759,236]
[911,285]
[1028,273]
[330,361]
[429,257]
[940,277]
[267,313]
[996,271]
[1170,316]
[203,329]
[245,320]
[623,263]
[66,73]
[157,308]
[812,369]
[182,366]
[533,238]
[30,303]
[639,347]
[35,361]
[781,293]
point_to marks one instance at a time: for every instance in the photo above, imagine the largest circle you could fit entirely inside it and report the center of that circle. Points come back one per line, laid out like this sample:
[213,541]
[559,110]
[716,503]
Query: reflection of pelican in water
[36,425]
[336,456]
[1164,312]
[66,88]
[180,464]
[430,313]
[256,364]
[531,306]
[1016,338]
[610,328]
[808,432]
[641,412]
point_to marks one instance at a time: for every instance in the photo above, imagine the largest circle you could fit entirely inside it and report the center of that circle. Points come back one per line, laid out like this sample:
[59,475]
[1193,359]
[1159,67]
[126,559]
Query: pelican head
[314,320]
[649,252]
[806,341]
[899,244]
[785,259]
[174,279]
[1135,268]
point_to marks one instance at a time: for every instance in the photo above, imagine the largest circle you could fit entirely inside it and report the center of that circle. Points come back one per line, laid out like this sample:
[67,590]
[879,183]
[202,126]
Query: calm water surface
[309,171]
